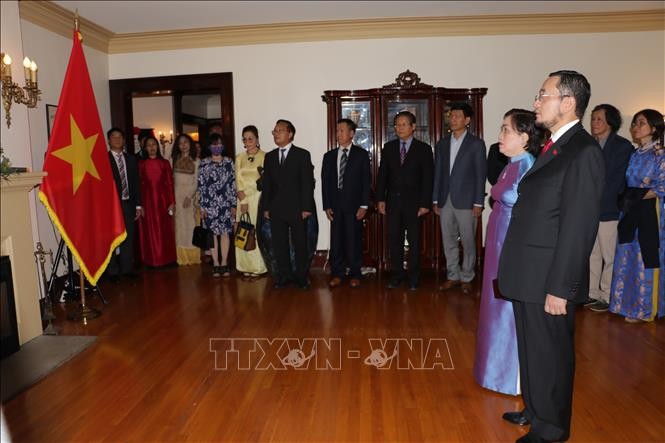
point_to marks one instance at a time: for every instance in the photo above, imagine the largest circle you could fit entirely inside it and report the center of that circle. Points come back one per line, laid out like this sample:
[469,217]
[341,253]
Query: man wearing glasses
[288,193]
[404,194]
[544,264]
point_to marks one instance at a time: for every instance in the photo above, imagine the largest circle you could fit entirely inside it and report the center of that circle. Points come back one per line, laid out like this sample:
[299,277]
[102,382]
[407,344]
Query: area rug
[36,359]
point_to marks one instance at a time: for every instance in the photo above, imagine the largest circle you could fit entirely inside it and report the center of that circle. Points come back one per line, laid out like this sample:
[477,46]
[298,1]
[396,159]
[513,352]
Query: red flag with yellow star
[79,192]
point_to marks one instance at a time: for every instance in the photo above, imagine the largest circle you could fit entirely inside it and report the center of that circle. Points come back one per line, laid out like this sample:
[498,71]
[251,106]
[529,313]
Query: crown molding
[389,28]
[59,20]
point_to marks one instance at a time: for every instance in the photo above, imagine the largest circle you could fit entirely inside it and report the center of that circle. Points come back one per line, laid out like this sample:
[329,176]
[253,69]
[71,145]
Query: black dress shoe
[516,418]
[531,437]
[394,282]
[413,286]
[114,279]
[304,285]
[131,275]
[279,284]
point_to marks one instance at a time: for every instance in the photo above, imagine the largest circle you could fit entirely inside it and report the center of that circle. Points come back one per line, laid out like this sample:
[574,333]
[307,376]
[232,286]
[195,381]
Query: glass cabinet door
[360,112]
[419,108]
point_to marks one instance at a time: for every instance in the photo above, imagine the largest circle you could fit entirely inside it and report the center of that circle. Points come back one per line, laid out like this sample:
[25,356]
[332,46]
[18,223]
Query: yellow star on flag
[78,154]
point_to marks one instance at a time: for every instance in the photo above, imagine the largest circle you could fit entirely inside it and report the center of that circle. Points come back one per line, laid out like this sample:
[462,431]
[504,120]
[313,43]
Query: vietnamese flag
[79,192]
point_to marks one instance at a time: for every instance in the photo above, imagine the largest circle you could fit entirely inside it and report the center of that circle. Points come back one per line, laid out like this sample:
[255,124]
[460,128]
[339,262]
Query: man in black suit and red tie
[346,181]
[288,195]
[404,194]
[126,175]
[544,263]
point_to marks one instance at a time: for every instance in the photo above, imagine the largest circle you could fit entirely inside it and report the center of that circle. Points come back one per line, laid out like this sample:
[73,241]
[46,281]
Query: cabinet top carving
[408,79]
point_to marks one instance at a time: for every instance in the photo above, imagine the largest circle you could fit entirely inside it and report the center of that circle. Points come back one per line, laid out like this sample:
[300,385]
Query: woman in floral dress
[217,190]
[638,280]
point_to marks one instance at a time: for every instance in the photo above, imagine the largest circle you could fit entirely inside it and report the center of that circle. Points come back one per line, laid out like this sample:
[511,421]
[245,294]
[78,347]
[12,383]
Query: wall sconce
[163,140]
[12,92]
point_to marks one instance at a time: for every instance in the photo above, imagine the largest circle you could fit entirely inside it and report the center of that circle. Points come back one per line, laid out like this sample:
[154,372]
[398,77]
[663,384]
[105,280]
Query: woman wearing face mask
[248,167]
[156,227]
[217,190]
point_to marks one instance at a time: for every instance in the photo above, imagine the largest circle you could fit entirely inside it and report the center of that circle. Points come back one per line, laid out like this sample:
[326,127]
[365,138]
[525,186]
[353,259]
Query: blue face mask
[216,149]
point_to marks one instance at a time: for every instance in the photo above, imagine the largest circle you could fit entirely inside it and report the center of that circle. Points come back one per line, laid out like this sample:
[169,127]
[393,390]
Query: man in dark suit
[544,263]
[345,181]
[605,122]
[126,175]
[459,194]
[288,195]
[404,194]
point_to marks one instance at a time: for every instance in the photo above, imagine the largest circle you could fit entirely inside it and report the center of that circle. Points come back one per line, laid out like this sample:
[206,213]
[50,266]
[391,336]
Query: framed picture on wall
[50,118]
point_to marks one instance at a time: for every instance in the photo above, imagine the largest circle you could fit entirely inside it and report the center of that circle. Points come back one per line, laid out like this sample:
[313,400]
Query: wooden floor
[151,377]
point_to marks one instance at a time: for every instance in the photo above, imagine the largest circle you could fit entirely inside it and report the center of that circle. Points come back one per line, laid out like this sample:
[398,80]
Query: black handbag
[202,237]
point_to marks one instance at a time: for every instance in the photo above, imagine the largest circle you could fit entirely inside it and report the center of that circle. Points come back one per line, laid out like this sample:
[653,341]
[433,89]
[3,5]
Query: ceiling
[145,16]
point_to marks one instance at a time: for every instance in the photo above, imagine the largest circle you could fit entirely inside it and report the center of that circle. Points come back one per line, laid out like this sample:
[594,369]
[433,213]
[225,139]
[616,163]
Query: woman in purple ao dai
[496,364]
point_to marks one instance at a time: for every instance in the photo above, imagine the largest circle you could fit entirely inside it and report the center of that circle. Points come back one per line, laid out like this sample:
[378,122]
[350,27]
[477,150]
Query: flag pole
[84,312]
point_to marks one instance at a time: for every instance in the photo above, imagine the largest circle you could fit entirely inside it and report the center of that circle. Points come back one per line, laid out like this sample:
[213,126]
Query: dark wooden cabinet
[373,111]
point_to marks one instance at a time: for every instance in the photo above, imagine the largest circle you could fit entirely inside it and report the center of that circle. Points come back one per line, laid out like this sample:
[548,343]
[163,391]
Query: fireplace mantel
[16,242]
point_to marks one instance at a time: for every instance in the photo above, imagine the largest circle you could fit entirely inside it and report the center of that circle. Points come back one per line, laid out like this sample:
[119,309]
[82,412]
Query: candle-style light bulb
[6,67]
[33,72]
[26,68]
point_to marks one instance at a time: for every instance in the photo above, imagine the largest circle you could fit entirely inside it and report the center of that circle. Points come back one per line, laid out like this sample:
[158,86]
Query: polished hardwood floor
[151,377]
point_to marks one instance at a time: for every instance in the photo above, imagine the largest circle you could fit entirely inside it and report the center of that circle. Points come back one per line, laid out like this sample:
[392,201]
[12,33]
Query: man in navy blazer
[605,122]
[459,194]
[346,180]
[288,197]
[544,262]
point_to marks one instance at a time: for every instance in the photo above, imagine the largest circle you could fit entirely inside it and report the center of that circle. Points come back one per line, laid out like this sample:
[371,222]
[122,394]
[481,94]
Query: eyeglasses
[540,95]
[277,131]
[638,123]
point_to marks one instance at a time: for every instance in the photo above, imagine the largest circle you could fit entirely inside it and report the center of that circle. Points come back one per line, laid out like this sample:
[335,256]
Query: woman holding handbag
[248,164]
[217,189]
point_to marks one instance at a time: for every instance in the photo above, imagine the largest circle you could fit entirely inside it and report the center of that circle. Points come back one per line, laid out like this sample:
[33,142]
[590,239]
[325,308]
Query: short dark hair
[612,116]
[655,120]
[349,123]
[407,114]
[524,122]
[573,84]
[114,129]
[289,126]
[252,129]
[462,106]
[144,152]
[214,138]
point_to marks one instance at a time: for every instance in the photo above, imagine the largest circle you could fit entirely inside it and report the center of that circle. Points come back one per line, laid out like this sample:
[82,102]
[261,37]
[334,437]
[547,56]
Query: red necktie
[547,146]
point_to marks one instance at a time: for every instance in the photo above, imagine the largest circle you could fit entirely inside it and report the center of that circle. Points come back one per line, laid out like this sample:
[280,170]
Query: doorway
[187,92]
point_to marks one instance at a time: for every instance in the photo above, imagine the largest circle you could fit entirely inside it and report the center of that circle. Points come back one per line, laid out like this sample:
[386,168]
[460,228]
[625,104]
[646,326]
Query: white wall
[287,80]
[51,51]
[16,139]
